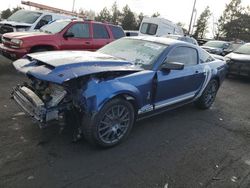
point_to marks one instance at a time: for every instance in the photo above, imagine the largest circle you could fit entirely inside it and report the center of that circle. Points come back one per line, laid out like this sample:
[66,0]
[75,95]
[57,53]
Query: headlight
[16,42]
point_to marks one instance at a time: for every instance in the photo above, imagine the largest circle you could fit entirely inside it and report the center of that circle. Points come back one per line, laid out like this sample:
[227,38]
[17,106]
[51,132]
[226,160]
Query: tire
[208,96]
[106,128]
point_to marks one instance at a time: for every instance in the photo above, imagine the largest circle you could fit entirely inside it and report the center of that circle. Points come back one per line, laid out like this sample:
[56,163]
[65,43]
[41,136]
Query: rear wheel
[111,124]
[208,96]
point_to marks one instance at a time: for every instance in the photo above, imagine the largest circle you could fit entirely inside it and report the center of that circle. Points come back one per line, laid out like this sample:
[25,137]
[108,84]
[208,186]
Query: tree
[202,23]
[89,14]
[104,15]
[139,20]
[115,14]
[182,25]
[128,20]
[155,15]
[7,13]
[229,24]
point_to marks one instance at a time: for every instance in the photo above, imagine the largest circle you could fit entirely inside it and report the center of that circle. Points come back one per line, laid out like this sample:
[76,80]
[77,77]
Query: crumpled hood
[61,66]
[15,24]
[21,35]
[239,57]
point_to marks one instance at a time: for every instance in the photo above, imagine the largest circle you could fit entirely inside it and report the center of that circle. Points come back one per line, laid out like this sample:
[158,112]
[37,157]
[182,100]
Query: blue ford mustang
[102,93]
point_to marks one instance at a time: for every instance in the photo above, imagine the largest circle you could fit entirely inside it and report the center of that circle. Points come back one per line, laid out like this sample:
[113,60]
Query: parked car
[27,20]
[61,35]
[192,41]
[233,46]
[107,90]
[216,47]
[239,61]
[202,41]
[158,27]
[184,38]
[131,33]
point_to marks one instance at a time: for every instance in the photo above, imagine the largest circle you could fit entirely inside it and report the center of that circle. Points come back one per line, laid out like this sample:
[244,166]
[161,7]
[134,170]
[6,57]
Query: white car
[27,20]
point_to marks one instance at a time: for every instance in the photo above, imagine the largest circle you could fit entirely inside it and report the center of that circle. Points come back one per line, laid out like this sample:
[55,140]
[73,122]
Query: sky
[174,10]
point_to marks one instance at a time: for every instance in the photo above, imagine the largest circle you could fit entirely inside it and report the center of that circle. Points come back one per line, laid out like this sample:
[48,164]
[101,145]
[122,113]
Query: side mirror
[172,66]
[68,35]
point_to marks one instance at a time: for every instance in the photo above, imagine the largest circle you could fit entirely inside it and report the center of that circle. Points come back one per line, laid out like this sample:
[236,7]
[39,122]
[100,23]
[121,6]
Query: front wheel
[208,96]
[111,124]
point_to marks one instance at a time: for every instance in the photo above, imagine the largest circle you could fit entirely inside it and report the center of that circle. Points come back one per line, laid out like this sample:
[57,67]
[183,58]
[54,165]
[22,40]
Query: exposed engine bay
[42,100]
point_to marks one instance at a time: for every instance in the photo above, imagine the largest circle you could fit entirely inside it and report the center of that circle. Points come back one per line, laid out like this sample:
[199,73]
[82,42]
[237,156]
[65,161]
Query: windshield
[140,52]
[244,49]
[55,27]
[25,16]
[215,44]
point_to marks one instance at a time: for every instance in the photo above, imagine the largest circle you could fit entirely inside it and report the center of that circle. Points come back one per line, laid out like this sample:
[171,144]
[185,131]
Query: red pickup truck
[60,35]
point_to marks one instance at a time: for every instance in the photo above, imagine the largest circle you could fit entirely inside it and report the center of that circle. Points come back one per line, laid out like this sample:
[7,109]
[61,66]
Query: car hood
[210,48]
[62,66]
[15,24]
[239,57]
[25,34]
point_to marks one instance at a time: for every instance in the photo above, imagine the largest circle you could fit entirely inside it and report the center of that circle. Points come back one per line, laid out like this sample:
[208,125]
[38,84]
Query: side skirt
[164,109]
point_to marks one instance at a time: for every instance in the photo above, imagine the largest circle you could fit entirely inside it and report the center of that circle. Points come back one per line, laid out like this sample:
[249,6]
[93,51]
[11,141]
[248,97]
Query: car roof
[162,40]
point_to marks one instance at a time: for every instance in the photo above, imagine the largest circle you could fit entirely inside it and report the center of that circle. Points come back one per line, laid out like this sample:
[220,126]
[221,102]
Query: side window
[185,55]
[205,57]
[44,20]
[80,30]
[100,31]
[149,28]
[117,32]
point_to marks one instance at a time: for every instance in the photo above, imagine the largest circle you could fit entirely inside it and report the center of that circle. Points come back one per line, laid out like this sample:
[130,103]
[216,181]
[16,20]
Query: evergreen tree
[128,20]
[202,23]
[104,15]
[229,24]
[115,14]
[155,15]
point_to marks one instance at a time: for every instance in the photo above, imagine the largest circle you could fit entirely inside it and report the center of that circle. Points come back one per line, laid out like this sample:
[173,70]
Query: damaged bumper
[33,105]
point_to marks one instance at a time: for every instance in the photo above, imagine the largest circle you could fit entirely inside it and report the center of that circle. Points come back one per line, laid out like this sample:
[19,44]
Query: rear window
[149,28]
[117,32]
[100,31]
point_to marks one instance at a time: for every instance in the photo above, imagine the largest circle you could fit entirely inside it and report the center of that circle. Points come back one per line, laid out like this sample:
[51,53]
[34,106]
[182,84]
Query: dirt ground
[182,148]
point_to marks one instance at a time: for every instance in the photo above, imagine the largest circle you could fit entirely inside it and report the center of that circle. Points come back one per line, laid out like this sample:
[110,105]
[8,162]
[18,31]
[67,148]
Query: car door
[178,85]
[77,37]
[44,20]
[101,35]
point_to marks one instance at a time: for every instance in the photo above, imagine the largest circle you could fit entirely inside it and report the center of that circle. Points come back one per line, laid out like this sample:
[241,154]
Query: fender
[98,93]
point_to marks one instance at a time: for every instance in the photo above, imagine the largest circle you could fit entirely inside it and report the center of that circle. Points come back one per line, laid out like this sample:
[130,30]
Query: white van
[27,20]
[159,27]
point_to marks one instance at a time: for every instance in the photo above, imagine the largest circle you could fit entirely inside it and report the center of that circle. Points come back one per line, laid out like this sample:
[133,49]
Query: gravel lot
[185,147]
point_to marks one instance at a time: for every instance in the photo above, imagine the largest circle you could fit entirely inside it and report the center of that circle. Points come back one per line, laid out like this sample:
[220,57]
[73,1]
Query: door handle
[87,43]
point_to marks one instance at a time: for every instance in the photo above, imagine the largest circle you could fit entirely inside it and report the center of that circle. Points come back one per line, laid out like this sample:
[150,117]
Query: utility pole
[190,24]
[73,7]
[193,25]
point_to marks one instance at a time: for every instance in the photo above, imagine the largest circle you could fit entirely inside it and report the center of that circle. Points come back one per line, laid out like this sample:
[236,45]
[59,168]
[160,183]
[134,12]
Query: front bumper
[33,105]
[12,53]
[239,68]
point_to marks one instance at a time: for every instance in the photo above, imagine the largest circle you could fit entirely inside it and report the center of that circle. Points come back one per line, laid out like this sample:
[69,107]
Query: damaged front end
[42,100]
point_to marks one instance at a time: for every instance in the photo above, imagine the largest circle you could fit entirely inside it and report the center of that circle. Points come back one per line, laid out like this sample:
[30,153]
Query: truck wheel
[208,96]
[111,124]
